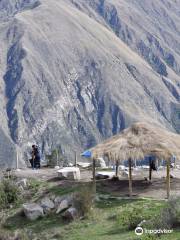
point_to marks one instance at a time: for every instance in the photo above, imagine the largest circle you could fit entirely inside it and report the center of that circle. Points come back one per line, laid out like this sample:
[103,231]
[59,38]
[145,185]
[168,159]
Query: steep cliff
[69,78]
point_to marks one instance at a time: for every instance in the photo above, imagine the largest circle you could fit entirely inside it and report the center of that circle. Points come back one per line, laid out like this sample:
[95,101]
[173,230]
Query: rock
[47,204]
[69,173]
[100,163]
[57,167]
[52,197]
[121,167]
[126,173]
[58,200]
[83,164]
[70,214]
[62,206]
[141,223]
[70,199]
[104,175]
[23,183]
[33,211]
[70,165]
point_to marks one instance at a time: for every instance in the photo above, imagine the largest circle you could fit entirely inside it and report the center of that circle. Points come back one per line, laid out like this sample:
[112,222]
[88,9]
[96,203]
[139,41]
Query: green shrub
[174,211]
[84,199]
[12,236]
[56,157]
[168,217]
[130,218]
[3,198]
[34,184]
[9,193]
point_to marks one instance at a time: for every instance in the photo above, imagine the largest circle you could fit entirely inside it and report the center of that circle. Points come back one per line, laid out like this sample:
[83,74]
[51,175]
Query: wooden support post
[75,160]
[108,160]
[117,165]
[168,178]
[150,170]
[57,158]
[17,160]
[110,155]
[94,174]
[130,177]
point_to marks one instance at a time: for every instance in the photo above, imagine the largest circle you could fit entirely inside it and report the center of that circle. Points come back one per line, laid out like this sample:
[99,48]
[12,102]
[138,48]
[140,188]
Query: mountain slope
[68,80]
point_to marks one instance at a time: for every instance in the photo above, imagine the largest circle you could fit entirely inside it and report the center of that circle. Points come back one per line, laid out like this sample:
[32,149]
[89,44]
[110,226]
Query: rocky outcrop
[62,205]
[33,211]
[153,45]
[71,214]
[7,151]
[73,90]
[47,204]
[8,8]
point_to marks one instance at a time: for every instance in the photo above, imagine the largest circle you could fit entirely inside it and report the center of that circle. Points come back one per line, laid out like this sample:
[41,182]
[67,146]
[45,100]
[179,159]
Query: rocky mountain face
[74,72]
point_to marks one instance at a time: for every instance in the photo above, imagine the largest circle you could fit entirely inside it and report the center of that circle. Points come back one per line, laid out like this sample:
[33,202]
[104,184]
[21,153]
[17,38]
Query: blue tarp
[86,154]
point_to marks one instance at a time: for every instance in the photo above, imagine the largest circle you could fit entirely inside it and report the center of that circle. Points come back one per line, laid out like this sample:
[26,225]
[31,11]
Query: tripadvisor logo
[139,231]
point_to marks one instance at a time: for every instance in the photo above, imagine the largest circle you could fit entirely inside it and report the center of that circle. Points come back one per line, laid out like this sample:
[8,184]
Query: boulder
[125,173]
[121,167]
[84,164]
[58,200]
[105,175]
[62,206]
[69,173]
[47,204]
[100,163]
[33,211]
[71,214]
[22,183]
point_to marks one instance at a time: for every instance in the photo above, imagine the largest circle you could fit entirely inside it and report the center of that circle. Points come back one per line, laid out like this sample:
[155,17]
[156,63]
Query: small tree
[56,158]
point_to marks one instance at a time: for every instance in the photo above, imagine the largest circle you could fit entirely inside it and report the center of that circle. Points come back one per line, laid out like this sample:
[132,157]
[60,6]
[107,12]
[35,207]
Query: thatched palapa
[140,140]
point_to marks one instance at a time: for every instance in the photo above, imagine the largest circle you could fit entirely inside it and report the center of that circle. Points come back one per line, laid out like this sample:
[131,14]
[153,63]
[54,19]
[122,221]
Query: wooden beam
[75,159]
[130,177]
[168,178]
[150,170]
[57,158]
[108,155]
[94,174]
[117,165]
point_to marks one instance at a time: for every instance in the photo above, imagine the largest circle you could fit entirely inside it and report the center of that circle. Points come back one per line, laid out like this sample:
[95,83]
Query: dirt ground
[141,187]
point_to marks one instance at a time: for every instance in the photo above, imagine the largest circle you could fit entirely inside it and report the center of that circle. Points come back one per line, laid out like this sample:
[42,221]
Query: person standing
[35,160]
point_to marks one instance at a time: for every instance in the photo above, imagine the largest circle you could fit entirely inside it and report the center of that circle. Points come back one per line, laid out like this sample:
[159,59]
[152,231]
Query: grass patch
[105,222]
[18,221]
[9,194]
[59,190]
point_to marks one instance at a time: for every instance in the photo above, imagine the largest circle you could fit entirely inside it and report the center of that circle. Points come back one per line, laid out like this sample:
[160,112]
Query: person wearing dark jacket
[35,160]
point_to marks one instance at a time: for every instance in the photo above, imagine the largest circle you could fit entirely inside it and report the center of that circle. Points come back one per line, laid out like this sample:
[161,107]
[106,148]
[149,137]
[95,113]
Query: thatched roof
[139,140]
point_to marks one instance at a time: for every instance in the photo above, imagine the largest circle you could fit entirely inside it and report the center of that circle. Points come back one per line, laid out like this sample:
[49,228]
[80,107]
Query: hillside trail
[155,189]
